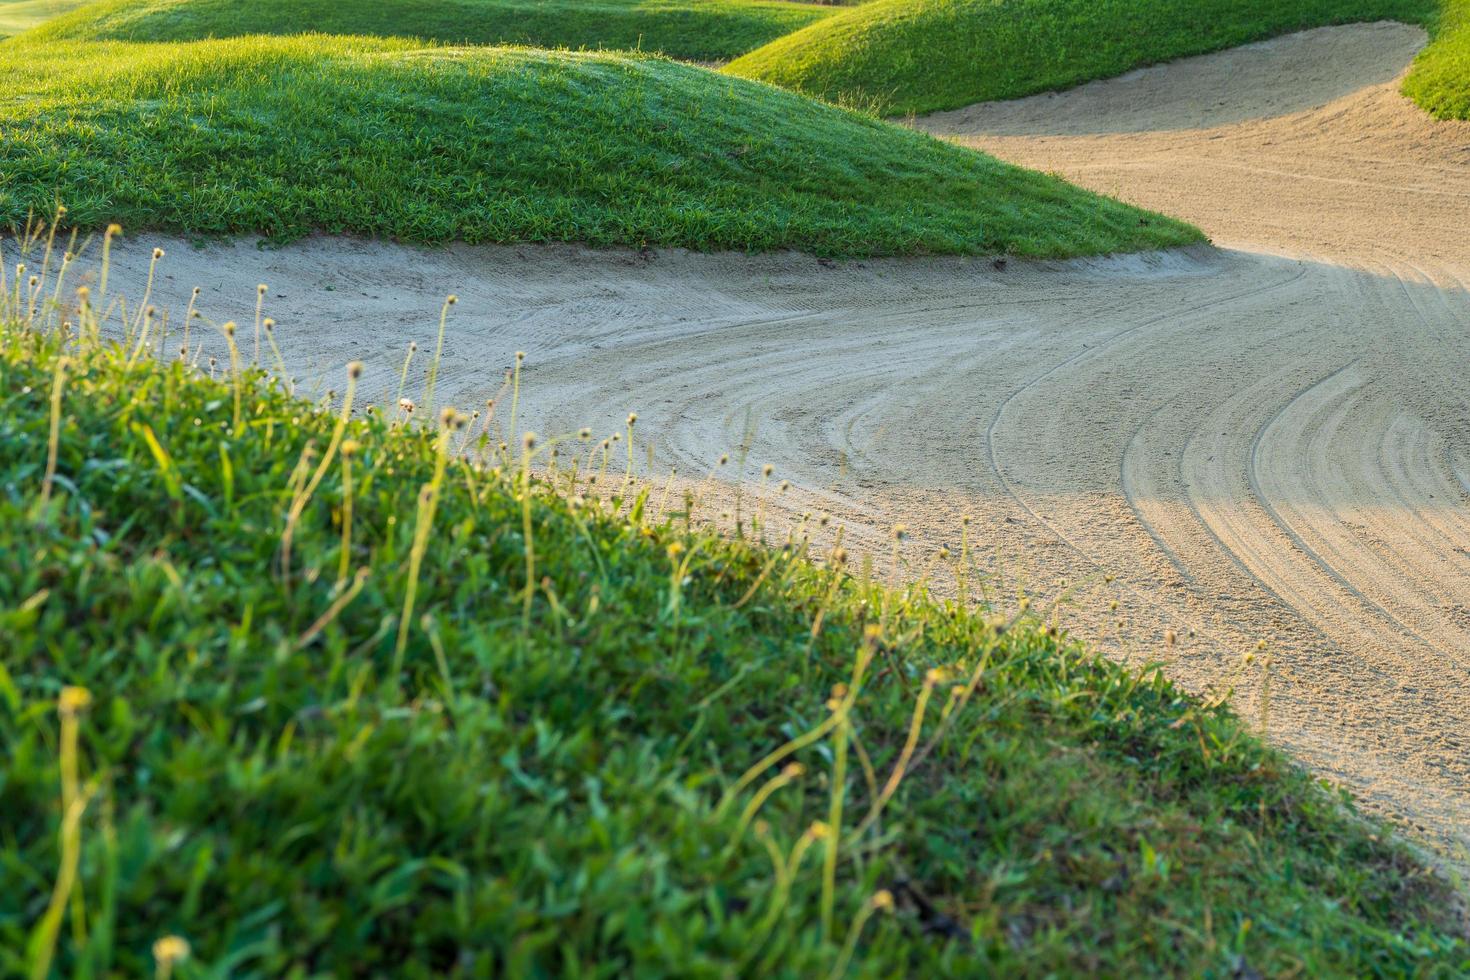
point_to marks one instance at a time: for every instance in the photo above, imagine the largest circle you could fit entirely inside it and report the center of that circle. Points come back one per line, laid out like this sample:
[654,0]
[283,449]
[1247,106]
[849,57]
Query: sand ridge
[1267,440]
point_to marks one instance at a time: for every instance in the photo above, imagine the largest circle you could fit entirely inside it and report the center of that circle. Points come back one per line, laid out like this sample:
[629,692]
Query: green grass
[915,56]
[701,30]
[528,778]
[1440,80]
[284,136]
[22,15]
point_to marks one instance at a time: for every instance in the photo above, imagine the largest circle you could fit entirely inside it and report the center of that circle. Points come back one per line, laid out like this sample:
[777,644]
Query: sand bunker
[1267,441]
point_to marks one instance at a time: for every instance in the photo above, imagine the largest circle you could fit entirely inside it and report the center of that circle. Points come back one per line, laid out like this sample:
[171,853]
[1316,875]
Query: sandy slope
[1269,441]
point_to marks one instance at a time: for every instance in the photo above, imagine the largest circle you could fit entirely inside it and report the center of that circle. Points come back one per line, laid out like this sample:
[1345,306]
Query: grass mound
[317,694]
[915,56]
[283,136]
[700,30]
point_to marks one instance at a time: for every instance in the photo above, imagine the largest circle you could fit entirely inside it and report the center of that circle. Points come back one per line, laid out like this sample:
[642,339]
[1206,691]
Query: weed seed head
[171,950]
[584,434]
[529,440]
[632,419]
[767,470]
[73,701]
[354,370]
[406,404]
[157,254]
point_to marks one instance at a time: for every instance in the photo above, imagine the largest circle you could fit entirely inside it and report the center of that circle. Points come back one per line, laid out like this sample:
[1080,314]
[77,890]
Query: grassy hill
[283,136]
[700,30]
[915,56]
[309,696]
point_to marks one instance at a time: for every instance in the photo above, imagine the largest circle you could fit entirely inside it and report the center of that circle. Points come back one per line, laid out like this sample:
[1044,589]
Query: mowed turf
[327,697]
[284,136]
[22,15]
[915,56]
[702,30]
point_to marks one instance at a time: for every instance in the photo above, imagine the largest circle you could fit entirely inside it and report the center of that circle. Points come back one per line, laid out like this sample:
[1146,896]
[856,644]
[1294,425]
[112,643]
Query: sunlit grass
[916,56]
[22,15]
[281,137]
[1440,79]
[699,30]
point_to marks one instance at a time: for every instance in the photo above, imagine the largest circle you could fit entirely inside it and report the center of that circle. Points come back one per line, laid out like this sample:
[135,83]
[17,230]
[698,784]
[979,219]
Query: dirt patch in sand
[1266,441]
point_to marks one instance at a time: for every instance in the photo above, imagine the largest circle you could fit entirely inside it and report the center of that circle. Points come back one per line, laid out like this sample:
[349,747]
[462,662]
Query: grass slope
[22,15]
[1440,79]
[701,30]
[526,778]
[915,56]
[282,136]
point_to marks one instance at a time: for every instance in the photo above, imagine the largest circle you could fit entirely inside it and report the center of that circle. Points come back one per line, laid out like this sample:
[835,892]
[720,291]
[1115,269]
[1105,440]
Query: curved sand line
[1270,441]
